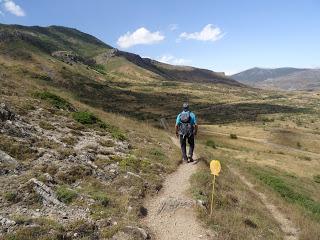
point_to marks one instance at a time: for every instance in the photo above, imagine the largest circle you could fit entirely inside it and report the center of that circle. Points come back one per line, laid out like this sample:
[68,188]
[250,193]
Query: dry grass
[268,154]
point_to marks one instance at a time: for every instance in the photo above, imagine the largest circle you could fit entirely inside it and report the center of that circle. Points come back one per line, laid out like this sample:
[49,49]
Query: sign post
[215,168]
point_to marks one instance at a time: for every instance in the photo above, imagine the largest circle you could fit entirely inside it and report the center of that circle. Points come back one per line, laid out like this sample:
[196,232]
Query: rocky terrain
[57,152]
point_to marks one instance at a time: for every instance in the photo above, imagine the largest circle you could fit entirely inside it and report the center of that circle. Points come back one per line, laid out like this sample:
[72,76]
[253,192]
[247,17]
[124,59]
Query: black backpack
[185,127]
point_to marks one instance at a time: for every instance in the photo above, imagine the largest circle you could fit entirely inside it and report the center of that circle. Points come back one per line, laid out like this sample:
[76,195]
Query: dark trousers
[183,144]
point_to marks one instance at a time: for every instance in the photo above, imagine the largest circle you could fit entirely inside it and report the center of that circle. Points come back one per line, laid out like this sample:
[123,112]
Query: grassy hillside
[87,130]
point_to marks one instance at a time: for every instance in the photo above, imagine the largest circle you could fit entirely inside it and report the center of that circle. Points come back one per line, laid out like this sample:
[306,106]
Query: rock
[136,232]
[46,193]
[5,222]
[6,113]
[201,203]
[171,204]
[106,151]
[122,236]
[48,177]
[5,158]
[134,175]
[104,223]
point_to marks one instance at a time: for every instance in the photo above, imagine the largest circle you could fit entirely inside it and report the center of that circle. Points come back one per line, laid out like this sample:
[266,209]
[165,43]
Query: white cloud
[168,58]
[208,33]
[12,7]
[140,36]
[173,27]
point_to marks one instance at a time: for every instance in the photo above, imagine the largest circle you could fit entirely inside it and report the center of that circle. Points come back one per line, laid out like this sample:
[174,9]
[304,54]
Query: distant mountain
[256,75]
[281,78]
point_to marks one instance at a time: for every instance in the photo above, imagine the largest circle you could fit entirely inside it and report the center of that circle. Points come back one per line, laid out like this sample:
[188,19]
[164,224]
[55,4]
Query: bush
[55,100]
[65,194]
[85,117]
[99,68]
[233,136]
[299,145]
[211,143]
[157,153]
[102,198]
[89,118]
[11,197]
[115,131]
[316,178]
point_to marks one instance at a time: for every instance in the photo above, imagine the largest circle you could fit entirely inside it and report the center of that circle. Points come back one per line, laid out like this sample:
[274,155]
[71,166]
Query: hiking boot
[190,159]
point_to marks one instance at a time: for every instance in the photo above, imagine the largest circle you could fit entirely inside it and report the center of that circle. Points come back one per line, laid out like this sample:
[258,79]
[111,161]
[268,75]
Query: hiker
[186,129]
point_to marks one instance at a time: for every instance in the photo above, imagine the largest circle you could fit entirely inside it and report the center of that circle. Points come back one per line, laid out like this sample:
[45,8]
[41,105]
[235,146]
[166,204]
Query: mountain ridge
[286,78]
[58,38]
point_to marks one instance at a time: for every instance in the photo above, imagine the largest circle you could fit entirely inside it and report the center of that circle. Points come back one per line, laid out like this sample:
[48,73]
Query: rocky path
[172,213]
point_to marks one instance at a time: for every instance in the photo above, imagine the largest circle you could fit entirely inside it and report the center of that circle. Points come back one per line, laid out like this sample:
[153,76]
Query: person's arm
[195,125]
[177,125]
[195,130]
[177,130]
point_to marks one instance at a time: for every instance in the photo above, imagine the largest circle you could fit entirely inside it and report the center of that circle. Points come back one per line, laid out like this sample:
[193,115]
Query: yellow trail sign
[215,168]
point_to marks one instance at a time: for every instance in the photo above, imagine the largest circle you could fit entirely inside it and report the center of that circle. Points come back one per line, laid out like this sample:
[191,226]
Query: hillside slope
[56,39]
[280,78]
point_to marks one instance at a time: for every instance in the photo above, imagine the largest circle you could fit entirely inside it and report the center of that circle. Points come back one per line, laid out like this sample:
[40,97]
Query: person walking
[186,130]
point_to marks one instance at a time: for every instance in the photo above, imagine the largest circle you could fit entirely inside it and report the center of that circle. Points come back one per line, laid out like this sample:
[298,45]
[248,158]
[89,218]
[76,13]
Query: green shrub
[316,178]
[71,175]
[233,136]
[85,117]
[99,68]
[157,153]
[89,118]
[55,100]
[211,143]
[11,197]
[65,194]
[299,145]
[116,133]
[102,198]
[46,125]
[130,163]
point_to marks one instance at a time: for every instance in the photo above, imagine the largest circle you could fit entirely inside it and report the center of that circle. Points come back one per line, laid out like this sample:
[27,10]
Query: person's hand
[177,134]
[195,133]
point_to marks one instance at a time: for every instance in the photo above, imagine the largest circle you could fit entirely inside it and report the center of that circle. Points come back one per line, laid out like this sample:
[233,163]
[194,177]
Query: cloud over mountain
[208,33]
[139,36]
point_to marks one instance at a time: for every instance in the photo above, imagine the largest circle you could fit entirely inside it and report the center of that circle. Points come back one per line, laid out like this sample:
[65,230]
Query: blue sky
[225,35]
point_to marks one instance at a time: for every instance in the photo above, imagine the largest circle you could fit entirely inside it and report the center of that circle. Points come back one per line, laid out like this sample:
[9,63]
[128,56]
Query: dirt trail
[287,227]
[171,214]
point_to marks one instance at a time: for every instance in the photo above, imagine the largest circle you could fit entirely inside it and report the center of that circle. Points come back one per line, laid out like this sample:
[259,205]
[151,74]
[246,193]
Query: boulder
[6,159]
[6,113]
[47,194]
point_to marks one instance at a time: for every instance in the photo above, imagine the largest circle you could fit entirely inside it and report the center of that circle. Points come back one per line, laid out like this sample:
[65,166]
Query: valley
[82,147]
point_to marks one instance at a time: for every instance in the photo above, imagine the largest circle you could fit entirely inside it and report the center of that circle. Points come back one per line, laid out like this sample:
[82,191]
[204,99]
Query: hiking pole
[215,168]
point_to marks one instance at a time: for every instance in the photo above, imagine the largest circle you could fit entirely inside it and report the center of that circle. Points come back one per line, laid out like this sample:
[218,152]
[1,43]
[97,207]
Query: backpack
[185,127]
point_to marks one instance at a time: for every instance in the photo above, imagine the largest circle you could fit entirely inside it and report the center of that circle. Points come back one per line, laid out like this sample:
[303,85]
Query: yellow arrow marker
[215,168]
